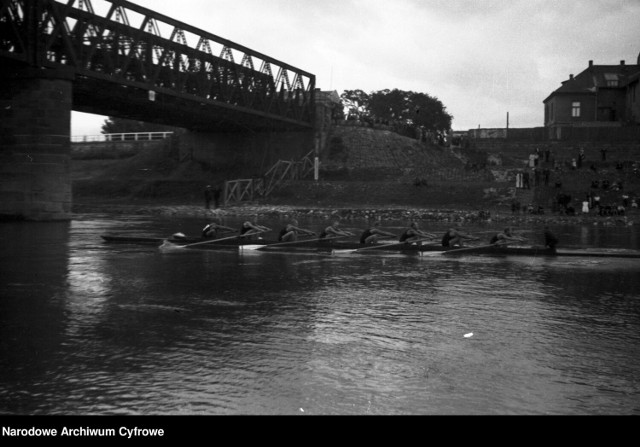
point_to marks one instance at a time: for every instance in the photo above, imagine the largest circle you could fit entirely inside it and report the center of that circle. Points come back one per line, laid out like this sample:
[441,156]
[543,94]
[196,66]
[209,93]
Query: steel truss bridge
[131,62]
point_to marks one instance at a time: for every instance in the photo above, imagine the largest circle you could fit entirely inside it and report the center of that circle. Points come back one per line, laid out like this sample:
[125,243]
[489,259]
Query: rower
[413,234]
[454,236]
[504,237]
[291,230]
[215,230]
[371,234]
[250,228]
[333,231]
[550,239]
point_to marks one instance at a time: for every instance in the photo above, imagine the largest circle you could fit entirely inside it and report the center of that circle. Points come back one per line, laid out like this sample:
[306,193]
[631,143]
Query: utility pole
[507,132]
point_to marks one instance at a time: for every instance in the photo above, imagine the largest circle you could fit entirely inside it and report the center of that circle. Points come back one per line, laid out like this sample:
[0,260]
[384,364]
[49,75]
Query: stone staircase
[282,173]
[538,196]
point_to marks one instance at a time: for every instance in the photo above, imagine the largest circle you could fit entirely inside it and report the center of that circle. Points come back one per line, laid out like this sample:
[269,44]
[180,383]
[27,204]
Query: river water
[90,328]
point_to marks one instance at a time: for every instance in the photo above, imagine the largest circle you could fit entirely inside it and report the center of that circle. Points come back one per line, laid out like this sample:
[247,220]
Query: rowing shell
[539,251]
[334,247]
[139,240]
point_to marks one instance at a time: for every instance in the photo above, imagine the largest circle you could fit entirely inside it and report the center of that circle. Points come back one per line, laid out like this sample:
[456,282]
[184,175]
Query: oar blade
[250,247]
[475,249]
[345,251]
[430,253]
[170,246]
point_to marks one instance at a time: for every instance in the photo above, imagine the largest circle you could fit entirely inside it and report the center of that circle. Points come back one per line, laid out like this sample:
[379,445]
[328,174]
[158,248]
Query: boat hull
[203,243]
[346,247]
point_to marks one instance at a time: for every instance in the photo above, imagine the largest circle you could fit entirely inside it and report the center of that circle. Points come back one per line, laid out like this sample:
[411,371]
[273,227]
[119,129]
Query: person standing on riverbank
[525,180]
[208,196]
[581,158]
[217,191]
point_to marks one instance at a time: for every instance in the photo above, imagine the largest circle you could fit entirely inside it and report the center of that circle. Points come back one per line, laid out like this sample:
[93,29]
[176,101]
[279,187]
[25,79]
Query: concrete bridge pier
[35,147]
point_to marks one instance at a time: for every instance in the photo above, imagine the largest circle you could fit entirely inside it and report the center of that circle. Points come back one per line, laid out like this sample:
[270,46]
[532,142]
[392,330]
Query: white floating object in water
[469,335]
[301,410]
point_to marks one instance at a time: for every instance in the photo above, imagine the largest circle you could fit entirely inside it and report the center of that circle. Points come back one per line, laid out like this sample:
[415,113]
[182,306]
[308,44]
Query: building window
[611,79]
[575,109]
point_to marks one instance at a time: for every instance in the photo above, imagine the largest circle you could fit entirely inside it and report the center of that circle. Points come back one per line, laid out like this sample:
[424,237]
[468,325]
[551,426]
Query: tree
[418,110]
[357,103]
[390,105]
[121,125]
[430,113]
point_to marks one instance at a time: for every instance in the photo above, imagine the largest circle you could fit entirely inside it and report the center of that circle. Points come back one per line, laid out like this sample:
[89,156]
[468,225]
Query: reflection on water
[94,328]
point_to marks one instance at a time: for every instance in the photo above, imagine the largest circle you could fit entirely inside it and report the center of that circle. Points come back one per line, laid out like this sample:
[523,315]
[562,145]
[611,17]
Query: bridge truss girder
[118,63]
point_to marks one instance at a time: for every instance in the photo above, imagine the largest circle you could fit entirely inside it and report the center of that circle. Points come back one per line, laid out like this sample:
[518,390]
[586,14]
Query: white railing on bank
[132,136]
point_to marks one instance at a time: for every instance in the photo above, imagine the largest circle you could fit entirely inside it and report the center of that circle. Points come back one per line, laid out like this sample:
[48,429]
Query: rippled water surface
[93,328]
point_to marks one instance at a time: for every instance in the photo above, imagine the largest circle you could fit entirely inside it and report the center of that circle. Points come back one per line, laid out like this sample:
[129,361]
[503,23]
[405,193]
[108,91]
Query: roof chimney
[591,63]
[571,77]
[621,62]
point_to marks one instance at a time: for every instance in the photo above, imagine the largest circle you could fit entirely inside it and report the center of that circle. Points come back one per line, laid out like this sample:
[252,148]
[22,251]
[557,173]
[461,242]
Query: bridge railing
[128,136]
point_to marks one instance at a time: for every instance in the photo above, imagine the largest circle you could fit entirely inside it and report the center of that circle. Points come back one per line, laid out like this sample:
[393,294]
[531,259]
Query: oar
[167,244]
[476,248]
[278,244]
[374,247]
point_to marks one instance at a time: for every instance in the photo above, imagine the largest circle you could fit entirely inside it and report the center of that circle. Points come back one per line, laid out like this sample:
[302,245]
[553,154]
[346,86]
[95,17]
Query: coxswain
[550,239]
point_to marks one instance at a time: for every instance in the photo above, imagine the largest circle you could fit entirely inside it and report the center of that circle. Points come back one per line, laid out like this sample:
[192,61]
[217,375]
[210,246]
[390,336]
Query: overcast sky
[481,58]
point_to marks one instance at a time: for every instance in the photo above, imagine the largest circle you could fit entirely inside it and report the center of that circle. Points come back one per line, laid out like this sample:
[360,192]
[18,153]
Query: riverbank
[349,213]
[366,175]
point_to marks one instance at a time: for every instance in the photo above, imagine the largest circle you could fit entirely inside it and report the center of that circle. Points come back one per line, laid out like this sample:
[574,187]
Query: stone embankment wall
[243,155]
[518,151]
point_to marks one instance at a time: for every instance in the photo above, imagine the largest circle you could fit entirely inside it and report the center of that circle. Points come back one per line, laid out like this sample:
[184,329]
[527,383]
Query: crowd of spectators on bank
[604,183]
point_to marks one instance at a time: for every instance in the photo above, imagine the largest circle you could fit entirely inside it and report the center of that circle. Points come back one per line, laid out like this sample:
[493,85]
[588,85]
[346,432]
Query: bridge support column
[35,147]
